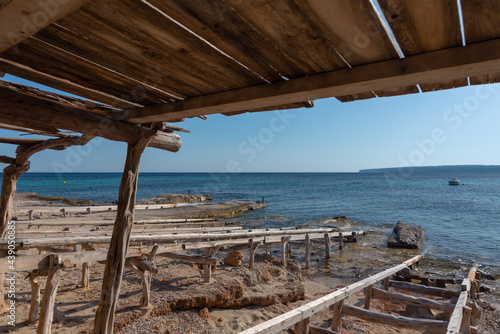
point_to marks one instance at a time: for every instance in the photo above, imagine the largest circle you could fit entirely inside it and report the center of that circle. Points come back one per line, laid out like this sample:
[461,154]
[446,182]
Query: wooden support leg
[9,183]
[283,251]
[302,327]
[368,296]
[35,298]
[308,251]
[207,272]
[328,246]
[56,267]
[386,283]
[118,247]
[252,254]
[145,301]
[337,316]
[2,293]
[341,241]
[86,275]
[465,325]
[268,250]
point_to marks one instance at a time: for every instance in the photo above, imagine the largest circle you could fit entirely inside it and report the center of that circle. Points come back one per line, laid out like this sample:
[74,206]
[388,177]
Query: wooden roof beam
[22,18]
[39,114]
[438,66]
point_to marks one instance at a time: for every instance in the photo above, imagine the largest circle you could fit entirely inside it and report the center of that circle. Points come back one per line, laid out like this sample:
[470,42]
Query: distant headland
[453,169]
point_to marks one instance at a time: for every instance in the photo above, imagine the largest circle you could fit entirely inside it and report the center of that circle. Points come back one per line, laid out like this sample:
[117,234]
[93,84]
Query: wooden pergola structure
[153,61]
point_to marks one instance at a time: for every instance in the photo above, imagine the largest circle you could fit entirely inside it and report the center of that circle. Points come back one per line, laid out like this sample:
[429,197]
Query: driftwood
[118,247]
[35,298]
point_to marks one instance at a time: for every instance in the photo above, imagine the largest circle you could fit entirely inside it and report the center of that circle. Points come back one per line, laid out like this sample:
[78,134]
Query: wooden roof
[157,60]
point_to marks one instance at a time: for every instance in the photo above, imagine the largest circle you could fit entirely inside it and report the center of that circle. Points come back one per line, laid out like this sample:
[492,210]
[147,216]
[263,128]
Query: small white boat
[454,182]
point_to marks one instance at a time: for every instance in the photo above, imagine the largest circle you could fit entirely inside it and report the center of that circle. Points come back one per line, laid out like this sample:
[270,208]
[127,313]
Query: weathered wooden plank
[319,330]
[456,316]
[480,24]
[426,290]
[217,22]
[286,27]
[438,66]
[438,326]
[410,300]
[190,258]
[18,109]
[21,19]
[31,73]
[56,62]
[288,319]
[167,43]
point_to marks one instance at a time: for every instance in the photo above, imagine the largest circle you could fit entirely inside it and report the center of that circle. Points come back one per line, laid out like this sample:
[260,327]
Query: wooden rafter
[449,64]
[19,110]
[31,131]
[22,18]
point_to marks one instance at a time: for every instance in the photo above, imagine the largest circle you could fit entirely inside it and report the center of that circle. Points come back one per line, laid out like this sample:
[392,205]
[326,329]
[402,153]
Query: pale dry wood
[118,248]
[466,320]
[18,109]
[337,316]
[85,283]
[191,258]
[9,185]
[426,290]
[35,282]
[400,298]
[23,18]
[56,267]
[145,300]
[319,330]
[438,66]
[457,315]
[368,296]
[302,327]
[438,326]
[290,318]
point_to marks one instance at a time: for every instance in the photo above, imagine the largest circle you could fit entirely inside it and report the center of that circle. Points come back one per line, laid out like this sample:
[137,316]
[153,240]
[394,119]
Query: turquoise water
[461,223]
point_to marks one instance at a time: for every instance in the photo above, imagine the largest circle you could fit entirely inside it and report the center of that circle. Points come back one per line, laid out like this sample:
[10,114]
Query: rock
[406,236]
[204,314]
[234,258]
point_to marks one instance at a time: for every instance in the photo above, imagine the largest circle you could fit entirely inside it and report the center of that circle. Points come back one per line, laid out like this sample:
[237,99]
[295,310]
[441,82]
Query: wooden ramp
[457,306]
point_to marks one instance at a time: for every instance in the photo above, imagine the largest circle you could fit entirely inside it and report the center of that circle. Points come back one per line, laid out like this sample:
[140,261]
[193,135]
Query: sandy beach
[237,298]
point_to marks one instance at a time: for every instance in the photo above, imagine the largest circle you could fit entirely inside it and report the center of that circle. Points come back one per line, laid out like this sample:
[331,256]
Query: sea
[461,223]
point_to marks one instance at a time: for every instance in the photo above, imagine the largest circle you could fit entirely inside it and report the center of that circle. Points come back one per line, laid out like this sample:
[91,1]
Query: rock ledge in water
[406,236]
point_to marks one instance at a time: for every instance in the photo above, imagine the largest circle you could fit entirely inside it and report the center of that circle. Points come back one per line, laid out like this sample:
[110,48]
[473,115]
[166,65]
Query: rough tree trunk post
[118,247]
[56,268]
[86,276]
[10,175]
[2,291]
[35,298]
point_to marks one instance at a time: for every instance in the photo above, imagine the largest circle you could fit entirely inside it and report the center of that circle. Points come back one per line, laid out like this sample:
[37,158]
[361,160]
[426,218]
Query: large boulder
[406,236]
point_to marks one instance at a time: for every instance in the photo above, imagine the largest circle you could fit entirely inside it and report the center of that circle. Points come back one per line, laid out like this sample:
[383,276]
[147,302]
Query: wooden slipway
[458,307]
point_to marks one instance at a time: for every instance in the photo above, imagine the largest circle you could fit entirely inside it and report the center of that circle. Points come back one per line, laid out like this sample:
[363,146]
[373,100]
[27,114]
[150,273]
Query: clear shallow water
[461,223]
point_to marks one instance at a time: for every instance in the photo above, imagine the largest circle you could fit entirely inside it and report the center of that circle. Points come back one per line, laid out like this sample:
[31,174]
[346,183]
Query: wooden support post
[289,250]
[252,255]
[283,250]
[35,298]
[56,267]
[86,275]
[9,184]
[30,213]
[319,330]
[2,293]
[386,282]
[328,246]
[119,243]
[337,316]
[341,241]
[88,210]
[268,250]
[145,301]
[368,296]
[308,251]
[64,213]
[476,312]
[302,327]
[207,272]
[465,325]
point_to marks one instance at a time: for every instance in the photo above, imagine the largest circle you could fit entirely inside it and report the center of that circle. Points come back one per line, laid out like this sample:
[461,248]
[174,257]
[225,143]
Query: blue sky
[451,127]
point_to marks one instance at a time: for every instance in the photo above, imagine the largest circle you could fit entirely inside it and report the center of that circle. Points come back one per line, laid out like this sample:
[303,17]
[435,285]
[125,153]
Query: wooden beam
[319,330]
[426,290]
[117,252]
[23,18]
[18,109]
[438,326]
[286,320]
[410,300]
[191,258]
[438,66]
[7,160]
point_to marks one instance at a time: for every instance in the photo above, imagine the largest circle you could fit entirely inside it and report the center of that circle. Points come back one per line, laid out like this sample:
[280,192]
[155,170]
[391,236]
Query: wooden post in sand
[328,246]
[284,241]
[56,266]
[341,241]
[35,298]
[308,251]
[85,275]
[122,228]
[252,254]
[337,316]
[368,296]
